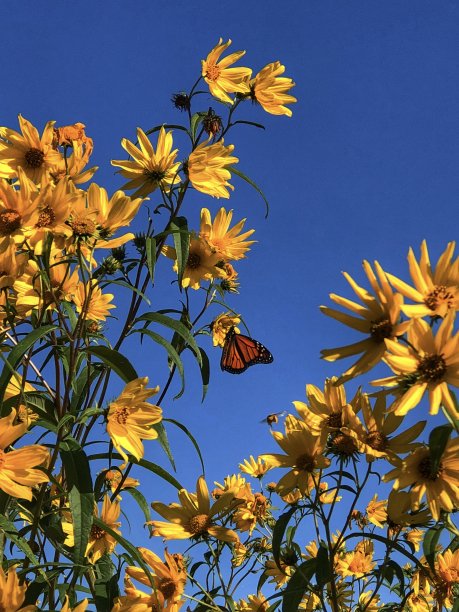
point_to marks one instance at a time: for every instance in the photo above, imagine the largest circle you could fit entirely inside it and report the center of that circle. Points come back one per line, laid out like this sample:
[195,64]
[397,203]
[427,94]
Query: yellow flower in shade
[67,135]
[53,206]
[34,154]
[12,263]
[207,168]
[130,418]
[357,563]
[81,607]
[270,89]
[17,386]
[149,169]
[194,516]
[91,302]
[435,291]
[325,411]
[12,592]
[136,600]
[221,79]
[230,282]
[37,290]
[73,166]
[427,363]
[100,542]
[228,243]
[278,575]
[221,327]
[368,602]
[441,487]
[378,318]
[447,566]
[18,211]
[19,468]
[201,264]
[114,476]
[256,468]
[254,603]
[415,537]
[400,510]
[420,600]
[377,511]
[374,436]
[169,576]
[326,496]
[304,456]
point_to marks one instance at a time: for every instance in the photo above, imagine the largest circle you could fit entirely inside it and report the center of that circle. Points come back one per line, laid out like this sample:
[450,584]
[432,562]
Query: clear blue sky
[367,166]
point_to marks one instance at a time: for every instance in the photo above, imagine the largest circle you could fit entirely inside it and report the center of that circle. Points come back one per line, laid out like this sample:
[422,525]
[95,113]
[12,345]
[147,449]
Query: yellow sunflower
[12,592]
[441,487]
[378,318]
[90,301]
[130,418]
[149,169]
[207,168]
[34,154]
[194,516]
[270,89]
[201,265]
[19,468]
[254,603]
[435,291]
[427,362]
[256,468]
[357,563]
[81,607]
[304,456]
[374,436]
[229,243]
[12,263]
[221,79]
[169,576]
[376,511]
[73,166]
[447,566]
[113,478]
[400,510]
[18,211]
[221,327]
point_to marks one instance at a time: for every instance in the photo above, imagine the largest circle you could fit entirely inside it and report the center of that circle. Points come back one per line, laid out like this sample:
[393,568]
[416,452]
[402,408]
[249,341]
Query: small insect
[273,418]
[240,352]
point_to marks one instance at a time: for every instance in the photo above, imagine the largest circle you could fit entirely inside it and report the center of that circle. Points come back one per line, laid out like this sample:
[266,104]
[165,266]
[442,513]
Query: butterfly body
[241,352]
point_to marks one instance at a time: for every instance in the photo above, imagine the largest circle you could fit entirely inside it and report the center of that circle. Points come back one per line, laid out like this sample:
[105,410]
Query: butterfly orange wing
[240,352]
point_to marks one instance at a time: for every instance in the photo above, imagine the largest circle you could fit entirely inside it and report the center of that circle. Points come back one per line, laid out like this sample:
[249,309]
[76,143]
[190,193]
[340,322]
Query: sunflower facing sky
[270,90]
[207,168]
[222,79]
[228,243]
[149,168]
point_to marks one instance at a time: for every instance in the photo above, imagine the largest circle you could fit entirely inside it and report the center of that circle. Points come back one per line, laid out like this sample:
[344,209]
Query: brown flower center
[167,587]
[199,524]
[343,444]
[121,414]
[380,330]
[193,261]
[213,72]
[96,533]
[46,217]
[305,462]
[34,157]
[82,227]
[154,176]
[377,440]
[10,221]
[425,469]
[335,420]
[438,296]
[432,368]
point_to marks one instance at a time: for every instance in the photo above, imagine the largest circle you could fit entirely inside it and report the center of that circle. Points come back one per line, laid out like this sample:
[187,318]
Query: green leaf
[192,439]
[172,353]
[297,585]
[16,355]
[438,440]
[323,567]
[252,184]
[82,385]
[258,125]
[148,465]
[205,372]
[141,501]
[81,496]
[11,533]
[123,283]
[150,251]
[179,228]
[391,569]
[166,126]
[162,439]
[278,533]
[429,544]
[114,360]
[178,326]
[194,123]
[106,583]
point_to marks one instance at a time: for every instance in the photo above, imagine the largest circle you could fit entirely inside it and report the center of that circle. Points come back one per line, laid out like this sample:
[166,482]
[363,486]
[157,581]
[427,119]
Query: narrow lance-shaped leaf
[16,355]
[114,360]
[438,440]
[278,533]
[179,228]
[297,585]
[9,530]
[245,178]
[150,252]
[191,437]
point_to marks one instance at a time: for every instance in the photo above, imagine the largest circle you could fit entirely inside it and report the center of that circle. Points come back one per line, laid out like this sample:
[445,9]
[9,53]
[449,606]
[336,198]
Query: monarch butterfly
[240,352]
